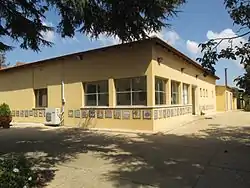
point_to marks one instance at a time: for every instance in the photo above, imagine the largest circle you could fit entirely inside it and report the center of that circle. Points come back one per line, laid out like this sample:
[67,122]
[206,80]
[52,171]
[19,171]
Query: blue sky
[199,21]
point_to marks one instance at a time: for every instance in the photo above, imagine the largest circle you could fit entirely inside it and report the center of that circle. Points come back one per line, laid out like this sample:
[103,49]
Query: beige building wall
[131,60]
[224,99]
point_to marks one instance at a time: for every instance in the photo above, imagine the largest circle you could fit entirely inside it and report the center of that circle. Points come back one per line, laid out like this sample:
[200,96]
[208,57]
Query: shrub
[247,108]
[16,172]
[5,110]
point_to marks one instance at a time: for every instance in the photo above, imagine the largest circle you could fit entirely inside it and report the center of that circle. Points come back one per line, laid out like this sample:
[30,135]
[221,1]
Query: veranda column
[112,93]
[181,93]
[150,89]
[168,92]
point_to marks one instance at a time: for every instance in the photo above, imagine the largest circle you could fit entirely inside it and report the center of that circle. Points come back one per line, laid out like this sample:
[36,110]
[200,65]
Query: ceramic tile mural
[70,113]
[164,113]
[13,113]
[30,112]
[126,114]
[92,113]
[26,113]
[35,113]
[155,114]
[136,114]
[117,114]
[17,113]
[168,113]
[85,113]
[160,113]
[77,114]
[100,114]
[108,114]
[22,113]
[40,112]
[147,114]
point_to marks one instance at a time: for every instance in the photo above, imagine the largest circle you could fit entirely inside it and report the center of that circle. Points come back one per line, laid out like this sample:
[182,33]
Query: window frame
[131,91]
[158,92]
[38,94]
[96,93]
[187,94]
[177,93]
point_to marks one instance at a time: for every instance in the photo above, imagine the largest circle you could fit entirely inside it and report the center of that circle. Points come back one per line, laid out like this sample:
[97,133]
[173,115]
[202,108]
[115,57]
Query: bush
[16,172]
[5,110]
[247,108]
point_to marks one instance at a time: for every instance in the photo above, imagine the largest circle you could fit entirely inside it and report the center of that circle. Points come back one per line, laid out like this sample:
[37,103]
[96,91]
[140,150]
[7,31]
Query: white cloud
[224,34]
[108,40]
[49,35]
[171,37]
[192,47]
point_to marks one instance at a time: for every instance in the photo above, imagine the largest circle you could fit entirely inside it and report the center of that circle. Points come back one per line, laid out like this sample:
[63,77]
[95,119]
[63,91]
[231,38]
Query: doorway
[194,100]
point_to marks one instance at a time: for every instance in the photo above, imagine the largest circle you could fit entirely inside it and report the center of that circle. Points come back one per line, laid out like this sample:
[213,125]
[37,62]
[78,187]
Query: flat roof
[154,39]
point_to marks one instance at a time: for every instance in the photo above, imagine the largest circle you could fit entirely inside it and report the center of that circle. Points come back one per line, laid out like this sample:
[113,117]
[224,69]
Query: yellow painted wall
[170,68]
[17,85]
[224,99]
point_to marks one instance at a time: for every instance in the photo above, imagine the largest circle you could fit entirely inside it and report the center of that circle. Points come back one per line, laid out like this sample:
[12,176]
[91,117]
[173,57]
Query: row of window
[204,93]
[129,91]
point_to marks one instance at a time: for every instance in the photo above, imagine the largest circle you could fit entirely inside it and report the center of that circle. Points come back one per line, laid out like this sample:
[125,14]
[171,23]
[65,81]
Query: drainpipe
[63,103]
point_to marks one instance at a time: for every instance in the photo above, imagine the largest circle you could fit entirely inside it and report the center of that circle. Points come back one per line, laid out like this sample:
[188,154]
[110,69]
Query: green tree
[239,11]
[3,62]
[23,20]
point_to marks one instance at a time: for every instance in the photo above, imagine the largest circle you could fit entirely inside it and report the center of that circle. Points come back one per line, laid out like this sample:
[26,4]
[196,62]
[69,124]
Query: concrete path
[208,153]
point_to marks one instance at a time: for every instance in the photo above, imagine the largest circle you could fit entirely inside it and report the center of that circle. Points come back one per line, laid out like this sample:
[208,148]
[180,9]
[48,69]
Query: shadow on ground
[141,159]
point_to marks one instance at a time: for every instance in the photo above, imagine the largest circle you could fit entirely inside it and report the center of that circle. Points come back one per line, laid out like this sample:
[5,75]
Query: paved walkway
[210,153]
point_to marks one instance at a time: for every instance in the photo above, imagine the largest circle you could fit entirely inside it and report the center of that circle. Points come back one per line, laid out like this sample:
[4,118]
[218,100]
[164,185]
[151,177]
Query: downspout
[63,103]
[62,96]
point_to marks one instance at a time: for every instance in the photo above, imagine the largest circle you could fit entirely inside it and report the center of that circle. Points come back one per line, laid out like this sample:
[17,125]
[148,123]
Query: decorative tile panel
[136,114]
[155,114]
[117,114]
[100,114]
[35,113]
[126,114]
[17,113]
[26,113]
[160,114]
[70,113]
[108,113]
[147,114]
[30,112]
[22,113]
[92,113]
[84,113]
[77,114]
[13,113]
[164,113]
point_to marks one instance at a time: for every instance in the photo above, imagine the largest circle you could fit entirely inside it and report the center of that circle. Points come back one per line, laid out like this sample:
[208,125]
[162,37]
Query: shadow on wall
[141,159]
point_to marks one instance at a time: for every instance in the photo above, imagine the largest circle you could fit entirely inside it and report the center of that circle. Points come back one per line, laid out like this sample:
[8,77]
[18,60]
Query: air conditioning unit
[52,116]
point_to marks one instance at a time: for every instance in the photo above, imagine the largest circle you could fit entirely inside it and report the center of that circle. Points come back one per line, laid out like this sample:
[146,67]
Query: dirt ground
[207,153]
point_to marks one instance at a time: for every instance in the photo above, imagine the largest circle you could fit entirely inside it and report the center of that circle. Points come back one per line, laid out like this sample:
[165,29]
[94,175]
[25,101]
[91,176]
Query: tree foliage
[239,11]
[23,20]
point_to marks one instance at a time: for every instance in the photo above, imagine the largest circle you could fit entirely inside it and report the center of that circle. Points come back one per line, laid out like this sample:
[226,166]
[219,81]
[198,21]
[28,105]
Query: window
[96,93]
[131,91]
[200,92]
[185,94]
[160,91]
[206,93]
[41,97]
[174,92]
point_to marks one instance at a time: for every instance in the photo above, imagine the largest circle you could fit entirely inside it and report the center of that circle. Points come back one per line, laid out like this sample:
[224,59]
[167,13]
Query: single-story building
[225,100]
[142,85]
